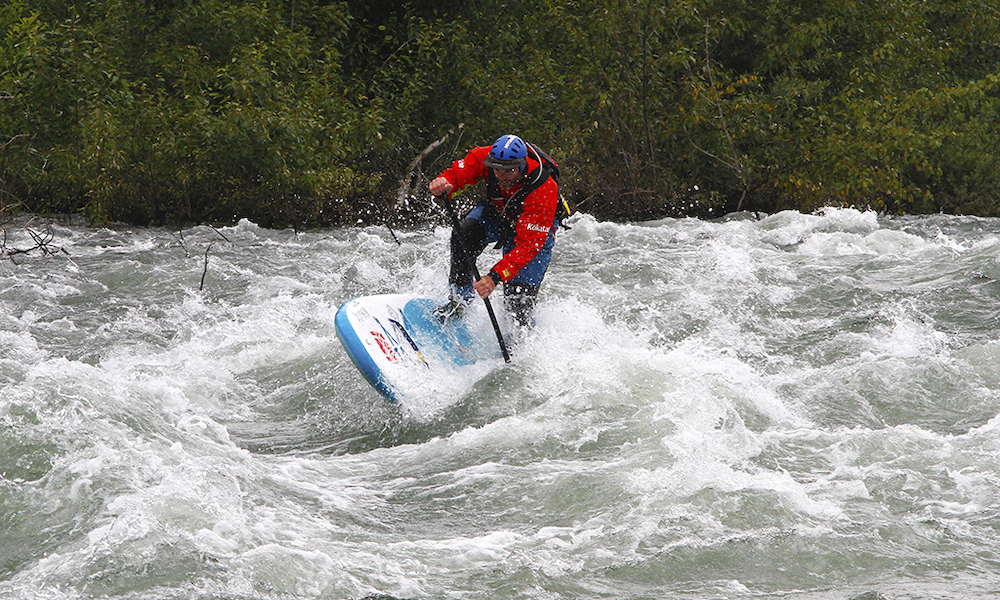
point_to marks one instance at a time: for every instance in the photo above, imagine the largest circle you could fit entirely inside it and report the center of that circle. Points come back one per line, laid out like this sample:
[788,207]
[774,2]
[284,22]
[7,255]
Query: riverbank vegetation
[312,112]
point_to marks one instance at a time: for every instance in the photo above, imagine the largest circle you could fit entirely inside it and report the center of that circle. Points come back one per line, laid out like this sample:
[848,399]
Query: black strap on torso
[512,206]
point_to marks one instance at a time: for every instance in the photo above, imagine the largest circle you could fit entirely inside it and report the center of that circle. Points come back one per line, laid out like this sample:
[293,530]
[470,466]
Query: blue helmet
[508,151]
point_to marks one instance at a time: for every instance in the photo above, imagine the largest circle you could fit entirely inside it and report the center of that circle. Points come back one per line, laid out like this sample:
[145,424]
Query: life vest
[512,206]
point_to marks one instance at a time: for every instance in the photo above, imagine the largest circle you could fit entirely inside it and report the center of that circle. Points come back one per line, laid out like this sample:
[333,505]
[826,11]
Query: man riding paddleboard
[519,212]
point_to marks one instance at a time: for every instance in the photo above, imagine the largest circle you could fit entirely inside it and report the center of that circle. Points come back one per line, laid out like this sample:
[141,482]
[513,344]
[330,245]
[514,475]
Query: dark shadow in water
[362,420]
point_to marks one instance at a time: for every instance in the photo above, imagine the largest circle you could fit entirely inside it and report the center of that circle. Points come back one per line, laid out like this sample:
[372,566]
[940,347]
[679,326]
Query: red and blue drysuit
[522,219]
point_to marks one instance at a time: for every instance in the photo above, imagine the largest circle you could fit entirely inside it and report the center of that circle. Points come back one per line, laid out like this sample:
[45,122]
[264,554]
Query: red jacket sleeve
[532,229]
[469,170]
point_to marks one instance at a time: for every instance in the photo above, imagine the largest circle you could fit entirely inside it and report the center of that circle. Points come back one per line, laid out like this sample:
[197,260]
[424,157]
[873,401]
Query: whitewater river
[797,407]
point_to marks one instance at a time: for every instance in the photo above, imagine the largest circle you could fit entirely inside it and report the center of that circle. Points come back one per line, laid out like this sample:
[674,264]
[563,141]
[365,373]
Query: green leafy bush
[314,112]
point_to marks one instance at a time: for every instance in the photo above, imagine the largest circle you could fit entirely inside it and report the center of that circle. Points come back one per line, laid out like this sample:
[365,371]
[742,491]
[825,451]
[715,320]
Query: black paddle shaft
[475,272]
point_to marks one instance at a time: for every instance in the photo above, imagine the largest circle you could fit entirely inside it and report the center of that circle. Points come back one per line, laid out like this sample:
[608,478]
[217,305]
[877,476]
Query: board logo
[386,347]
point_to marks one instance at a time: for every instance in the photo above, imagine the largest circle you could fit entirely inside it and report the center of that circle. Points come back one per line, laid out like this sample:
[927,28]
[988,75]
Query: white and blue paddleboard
[406,353]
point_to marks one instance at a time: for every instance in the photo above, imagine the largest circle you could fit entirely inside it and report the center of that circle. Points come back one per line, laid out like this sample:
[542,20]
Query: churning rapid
[800,406]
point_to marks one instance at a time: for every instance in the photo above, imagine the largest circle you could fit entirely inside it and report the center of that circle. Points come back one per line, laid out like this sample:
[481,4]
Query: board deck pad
[407,354]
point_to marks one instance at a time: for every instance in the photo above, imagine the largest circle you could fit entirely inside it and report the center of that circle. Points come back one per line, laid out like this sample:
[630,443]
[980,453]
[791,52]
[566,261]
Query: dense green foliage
[312,112]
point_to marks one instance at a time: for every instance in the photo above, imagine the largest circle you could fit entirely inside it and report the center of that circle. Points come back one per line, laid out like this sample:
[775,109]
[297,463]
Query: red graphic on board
[386,347]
